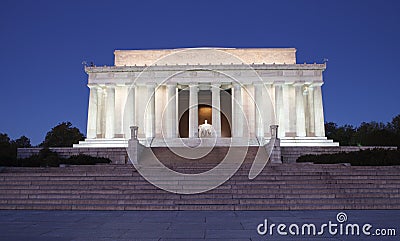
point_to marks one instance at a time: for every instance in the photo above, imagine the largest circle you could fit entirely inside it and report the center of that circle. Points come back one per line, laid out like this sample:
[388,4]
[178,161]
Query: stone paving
[183,225]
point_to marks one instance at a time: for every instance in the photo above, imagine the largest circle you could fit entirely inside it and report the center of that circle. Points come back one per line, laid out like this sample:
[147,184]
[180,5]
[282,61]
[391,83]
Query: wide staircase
[277,187]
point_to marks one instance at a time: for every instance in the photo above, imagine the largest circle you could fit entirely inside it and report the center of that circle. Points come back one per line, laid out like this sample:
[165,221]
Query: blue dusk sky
[43,44]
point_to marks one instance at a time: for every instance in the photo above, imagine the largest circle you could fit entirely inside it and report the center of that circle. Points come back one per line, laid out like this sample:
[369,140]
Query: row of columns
[309,115]
[106,112]
[106,119]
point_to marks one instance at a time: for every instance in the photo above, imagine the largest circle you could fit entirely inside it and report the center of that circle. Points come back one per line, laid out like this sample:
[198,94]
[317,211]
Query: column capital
[110,89]
[126,85]
[92,86]
[279,83]
[215,88]
[307,89]
[194,87]
[316,84]
[258,83]
[288,83]
[236,86]
[171,87]
[110,85]
[151,84]
[310,87]
[298,84]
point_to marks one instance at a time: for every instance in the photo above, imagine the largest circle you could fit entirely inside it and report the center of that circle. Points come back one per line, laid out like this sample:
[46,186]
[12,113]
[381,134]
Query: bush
[33,161]
[374,157]
[48,158]
[82,159]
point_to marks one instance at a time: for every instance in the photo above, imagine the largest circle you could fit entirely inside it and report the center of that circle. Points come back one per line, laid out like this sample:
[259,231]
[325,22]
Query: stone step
[130,168]
[24,193]
[278,187]
[235,184]
[251,192]
[236,188]
[72,173]
[206,201]
[267,182]
[239,207]
[240,174]
[215,197]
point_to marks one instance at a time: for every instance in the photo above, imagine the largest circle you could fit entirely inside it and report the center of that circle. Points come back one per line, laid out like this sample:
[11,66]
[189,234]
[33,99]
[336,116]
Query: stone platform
[177,225]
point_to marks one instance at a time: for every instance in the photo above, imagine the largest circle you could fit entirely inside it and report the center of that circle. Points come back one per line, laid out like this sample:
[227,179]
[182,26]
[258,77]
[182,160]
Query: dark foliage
[7,150]
[48,158]
[8,147]
[62,135]
[22,142]
[85,160]
[367,134]
[375,157]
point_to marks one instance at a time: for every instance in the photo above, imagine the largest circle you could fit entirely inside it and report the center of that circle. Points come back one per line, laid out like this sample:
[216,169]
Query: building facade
[240,93]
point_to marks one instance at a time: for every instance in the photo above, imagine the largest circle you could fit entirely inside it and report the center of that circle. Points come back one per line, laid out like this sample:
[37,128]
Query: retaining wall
[120,156]
[116,155]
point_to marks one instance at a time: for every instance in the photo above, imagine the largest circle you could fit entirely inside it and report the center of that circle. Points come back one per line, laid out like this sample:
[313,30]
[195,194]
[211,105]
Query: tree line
[62,135]
[367,134]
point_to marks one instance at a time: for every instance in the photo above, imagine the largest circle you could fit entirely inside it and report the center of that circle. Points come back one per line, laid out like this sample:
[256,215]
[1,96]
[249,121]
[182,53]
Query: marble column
[258,109]
[300,115]
[319,111]
[150,111]
[92,113]
[279,110]
[193,111]
[286,107]
[268,111]
[237,130]
[129,110]
[170,112]
[120,100]
[110,112]
[216,108]
[311,113]
[100,119]
[248,108]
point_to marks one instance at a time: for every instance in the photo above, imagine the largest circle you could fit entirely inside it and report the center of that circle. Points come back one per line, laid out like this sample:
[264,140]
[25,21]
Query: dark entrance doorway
[204,112]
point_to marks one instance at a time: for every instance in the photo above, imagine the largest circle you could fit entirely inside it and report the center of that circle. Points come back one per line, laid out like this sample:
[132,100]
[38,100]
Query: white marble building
[240,92]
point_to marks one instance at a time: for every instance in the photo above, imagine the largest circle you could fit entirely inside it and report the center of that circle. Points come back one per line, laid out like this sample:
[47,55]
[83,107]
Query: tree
[22,142]
[395,128]
[375,134]
[343,134]
[62,135]
[4,139]
[394,125]
[7,150]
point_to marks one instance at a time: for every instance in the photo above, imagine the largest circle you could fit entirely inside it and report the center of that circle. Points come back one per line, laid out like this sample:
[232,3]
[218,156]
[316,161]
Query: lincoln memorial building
[216,96]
